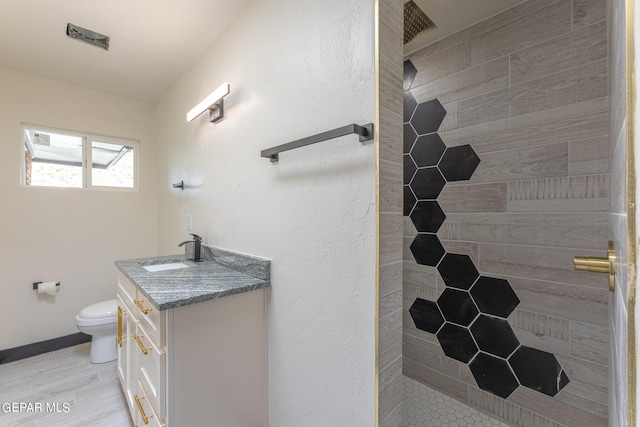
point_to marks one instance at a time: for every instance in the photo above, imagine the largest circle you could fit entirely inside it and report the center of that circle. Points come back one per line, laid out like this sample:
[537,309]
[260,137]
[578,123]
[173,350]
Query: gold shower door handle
[598,265]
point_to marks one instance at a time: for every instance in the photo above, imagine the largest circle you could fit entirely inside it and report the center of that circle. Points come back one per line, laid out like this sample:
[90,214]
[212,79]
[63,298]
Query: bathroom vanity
[192,339]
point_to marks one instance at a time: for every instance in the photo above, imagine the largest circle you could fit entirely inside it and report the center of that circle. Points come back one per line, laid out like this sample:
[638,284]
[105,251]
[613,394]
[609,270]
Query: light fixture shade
[212,102]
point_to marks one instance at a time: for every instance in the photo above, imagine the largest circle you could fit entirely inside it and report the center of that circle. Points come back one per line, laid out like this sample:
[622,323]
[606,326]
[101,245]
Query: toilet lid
[100,310]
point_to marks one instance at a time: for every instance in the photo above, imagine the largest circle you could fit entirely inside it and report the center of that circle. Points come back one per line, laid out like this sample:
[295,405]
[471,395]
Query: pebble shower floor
[424,407]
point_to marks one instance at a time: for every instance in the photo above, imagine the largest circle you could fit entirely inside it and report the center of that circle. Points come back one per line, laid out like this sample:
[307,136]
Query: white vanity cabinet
[202,364]
[142,366]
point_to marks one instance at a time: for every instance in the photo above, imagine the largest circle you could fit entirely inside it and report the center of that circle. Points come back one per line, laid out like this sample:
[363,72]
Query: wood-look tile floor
[64,390]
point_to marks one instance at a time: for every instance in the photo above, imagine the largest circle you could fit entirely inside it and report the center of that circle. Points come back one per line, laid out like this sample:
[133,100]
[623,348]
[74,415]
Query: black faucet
[197,245]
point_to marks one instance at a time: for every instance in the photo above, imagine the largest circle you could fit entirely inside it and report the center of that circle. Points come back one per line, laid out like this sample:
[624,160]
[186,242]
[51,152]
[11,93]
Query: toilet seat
[101,313]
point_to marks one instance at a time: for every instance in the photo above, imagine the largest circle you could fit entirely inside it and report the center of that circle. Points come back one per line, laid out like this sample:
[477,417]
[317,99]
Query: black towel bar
[365,132]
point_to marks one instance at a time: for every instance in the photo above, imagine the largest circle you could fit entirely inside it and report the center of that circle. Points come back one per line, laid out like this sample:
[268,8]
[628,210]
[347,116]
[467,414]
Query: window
[59,158]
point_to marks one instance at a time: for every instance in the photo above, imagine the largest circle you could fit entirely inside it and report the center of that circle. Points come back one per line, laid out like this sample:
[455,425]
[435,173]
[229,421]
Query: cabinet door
[126,329]
[143,413]
[151,368]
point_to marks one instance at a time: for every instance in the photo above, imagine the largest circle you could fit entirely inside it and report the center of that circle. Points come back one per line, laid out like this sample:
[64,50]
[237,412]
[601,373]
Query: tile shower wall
[513,184]
[390,20]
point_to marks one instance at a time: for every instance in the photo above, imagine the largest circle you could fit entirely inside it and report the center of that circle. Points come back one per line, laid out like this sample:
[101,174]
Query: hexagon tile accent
[469,317]
[494,336]
[409,200]
[409,74]
[458,163]
[493,374]
[494,296]
[428,117]
[457,307]
[457,342]
[427,216]
[538,370]
[427,249]
[427,150]
[426,315]
[409,136]
[458,271]
[427,183]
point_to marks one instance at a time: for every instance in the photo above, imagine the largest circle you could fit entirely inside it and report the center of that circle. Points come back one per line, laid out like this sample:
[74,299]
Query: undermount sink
[164,267]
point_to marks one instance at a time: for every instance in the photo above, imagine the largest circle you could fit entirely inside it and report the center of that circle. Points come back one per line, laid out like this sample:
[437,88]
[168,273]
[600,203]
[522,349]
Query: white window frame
[87,140]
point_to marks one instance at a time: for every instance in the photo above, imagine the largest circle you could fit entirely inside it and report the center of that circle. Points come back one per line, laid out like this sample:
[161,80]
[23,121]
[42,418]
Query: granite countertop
[222,273]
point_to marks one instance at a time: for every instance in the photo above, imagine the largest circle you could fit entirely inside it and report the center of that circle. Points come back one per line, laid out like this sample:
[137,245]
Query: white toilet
[100,321]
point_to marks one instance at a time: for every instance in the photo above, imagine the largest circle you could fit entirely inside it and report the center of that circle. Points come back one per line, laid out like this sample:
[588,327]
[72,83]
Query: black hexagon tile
[409,105]
[409,137]
[427,249]
[427,150]
[427,183]
[426,315]
[494,336]
[457,343]
[458,271]
[409,74]
[457,307]
[494,296]
[427,216]
[409,168]
[458,163]
[409,200]
[538,370]
[428,116]
[493,375]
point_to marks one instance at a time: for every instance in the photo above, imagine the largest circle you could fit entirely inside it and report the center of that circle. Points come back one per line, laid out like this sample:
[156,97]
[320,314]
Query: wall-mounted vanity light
[214,103]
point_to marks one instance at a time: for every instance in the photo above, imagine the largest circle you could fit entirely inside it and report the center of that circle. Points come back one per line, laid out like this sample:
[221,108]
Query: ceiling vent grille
[415,21]
[88,36]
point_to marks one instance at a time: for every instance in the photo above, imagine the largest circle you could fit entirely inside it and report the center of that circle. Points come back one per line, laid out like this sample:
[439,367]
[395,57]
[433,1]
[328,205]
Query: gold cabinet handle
[119,326]
[145,419]
[598,265]
[142,347]
[141,307]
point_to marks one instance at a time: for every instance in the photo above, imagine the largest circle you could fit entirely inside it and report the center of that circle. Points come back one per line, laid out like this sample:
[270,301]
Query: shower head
[415,21]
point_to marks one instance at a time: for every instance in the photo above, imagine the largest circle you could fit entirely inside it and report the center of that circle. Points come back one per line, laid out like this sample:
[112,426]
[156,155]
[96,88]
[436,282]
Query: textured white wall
[296,68]
[69,235]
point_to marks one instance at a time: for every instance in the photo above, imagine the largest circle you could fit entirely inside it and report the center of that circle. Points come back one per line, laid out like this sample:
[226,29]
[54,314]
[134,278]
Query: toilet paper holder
[35,284]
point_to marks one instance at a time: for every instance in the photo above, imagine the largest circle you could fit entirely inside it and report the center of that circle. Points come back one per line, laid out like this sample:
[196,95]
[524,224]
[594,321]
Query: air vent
[415,21]
[88,36]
